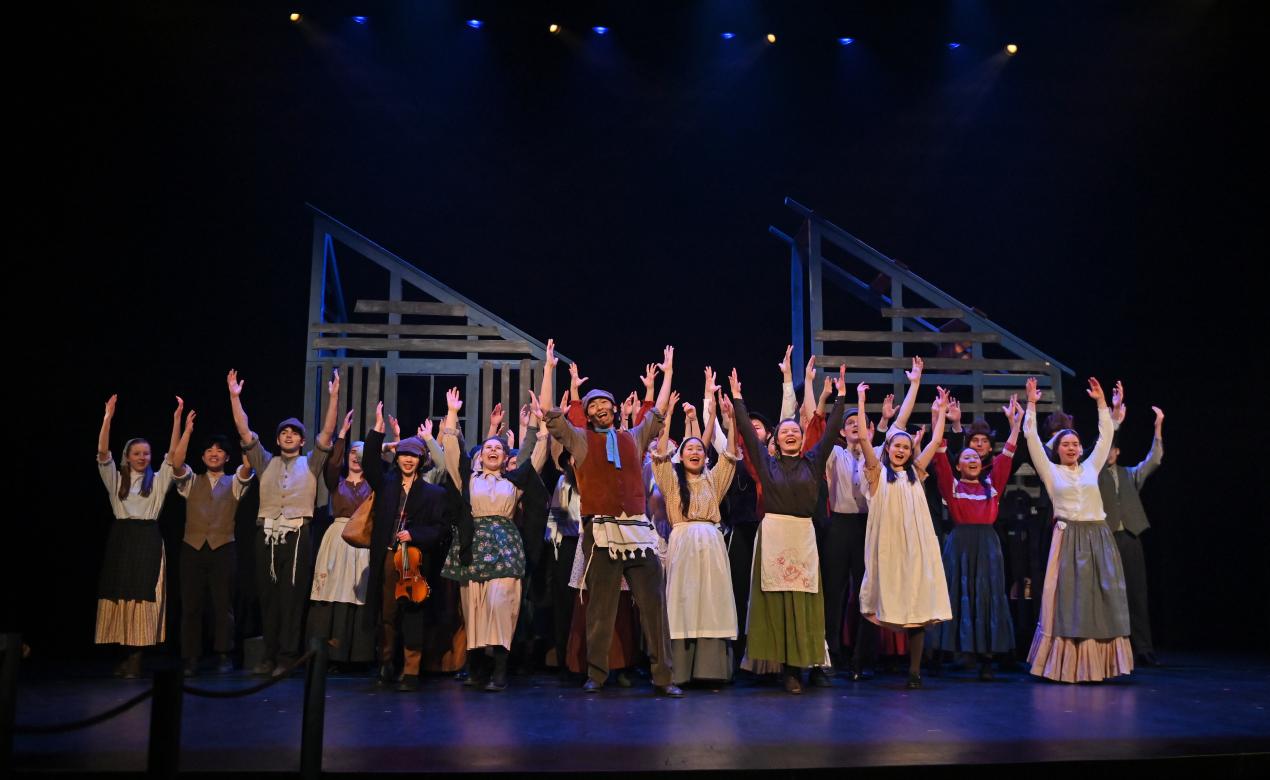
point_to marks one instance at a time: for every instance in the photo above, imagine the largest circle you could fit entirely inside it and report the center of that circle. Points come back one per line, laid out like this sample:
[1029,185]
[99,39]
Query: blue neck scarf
[610,445]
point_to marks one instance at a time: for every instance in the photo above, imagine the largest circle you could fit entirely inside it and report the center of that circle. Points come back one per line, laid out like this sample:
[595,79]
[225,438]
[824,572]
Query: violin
[411,585]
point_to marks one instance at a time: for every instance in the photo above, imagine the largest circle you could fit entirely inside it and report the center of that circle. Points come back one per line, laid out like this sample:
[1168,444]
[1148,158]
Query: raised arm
[709,424]
[938,410]
[1014,414]
[103,436]
[547,390]
[235,386]
[692,425]
[1155,457]
[495,421]
[833,426]
[789,401]
[332,416]
[1106,428]
[179,448]
[667,367]
[663,441]
[755,450]
[339,451]
[809,392]
[449,435]
[910,398]
[871,465]
[372,459]
[1035,448]
[648,379]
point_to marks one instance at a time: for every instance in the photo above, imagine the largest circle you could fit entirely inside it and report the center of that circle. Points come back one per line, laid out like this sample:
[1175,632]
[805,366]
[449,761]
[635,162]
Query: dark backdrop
[1099,195]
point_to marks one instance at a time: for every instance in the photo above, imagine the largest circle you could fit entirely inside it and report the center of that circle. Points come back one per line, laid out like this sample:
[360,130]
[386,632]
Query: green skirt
[497,551]
[786,627]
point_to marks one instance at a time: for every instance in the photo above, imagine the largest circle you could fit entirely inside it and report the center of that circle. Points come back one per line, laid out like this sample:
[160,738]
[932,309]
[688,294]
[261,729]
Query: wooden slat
[989,364]
[526,378]
[484,402]
[920,337]
[362,328]
[425,345]
[951,314]
[411,307]
[359,420]
[510,410]
[372,393]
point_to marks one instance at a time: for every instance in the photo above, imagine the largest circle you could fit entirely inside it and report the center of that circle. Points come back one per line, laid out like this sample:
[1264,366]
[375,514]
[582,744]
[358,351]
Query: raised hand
[668,359]
[916,372]
[110,406]
[734,384]
[888,406]
[840,381]
[711,386]
[453,400]
[674,400]
[333,386]
[379,416]
[524,414]
[941,402]
[809,373]
[725,405]
[496,417]
[826,389]
[425,430]
[535,406]
[954,411]
[189,421]
[347,425]
[396,427]
[690,411]
[1159,418]
[234,384]
[649,377]
[861,390]
[629,404]
[549,359]
[1095,391]
[921,434]
[1031,392]
[784,366]
[574,379]
[180,407]
[1117,394]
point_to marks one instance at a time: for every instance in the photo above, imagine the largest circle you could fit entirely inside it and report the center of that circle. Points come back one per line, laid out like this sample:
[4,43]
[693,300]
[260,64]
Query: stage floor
[1194,706]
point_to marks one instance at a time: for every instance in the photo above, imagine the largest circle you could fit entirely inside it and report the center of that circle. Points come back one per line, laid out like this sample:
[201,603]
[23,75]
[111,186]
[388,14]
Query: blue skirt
[976,589]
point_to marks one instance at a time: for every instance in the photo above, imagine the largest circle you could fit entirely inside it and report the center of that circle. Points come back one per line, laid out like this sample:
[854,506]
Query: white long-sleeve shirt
[1072,489]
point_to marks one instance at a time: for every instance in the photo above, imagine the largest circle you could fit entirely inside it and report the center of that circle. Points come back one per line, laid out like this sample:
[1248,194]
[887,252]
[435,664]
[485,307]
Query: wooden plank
[483,403]
[510,411]
[411,307]
[425,345]
[879,378]
[951,314]
[919,337]
[372,393]
[358,404]
[989,364]
[524,380]
[363,328]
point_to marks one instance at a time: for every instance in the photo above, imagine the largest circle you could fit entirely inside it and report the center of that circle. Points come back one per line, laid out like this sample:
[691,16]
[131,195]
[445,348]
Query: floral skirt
[497,551]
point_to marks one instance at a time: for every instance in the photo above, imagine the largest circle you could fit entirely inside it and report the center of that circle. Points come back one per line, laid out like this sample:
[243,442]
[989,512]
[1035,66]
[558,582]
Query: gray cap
[292,422]
[412,446]
[594,394]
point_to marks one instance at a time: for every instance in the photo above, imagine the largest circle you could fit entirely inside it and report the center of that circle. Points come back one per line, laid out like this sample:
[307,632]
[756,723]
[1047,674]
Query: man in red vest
[618,538]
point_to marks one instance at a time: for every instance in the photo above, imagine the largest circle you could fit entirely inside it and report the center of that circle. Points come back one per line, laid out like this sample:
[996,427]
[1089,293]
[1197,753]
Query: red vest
[605,489]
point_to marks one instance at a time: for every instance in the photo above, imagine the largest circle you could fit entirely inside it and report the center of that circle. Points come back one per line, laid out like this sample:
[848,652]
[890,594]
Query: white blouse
[1073,489]
[137,505]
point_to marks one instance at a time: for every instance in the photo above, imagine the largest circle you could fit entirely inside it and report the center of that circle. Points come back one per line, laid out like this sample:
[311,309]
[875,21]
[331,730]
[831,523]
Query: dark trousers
[563,598]
[283,601]
[842,571]
[207,575]
[399,617]
[604,586]
[741,561]
[1135,581]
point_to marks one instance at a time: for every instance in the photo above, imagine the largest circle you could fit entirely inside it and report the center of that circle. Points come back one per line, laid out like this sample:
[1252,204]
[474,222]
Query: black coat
[428,519]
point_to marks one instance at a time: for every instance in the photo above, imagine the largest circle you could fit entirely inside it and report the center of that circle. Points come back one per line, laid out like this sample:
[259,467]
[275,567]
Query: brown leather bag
[358,529]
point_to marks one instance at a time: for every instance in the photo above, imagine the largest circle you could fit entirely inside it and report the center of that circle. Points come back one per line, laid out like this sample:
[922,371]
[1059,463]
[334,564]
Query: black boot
[793,679]
[479,667]
[498,675]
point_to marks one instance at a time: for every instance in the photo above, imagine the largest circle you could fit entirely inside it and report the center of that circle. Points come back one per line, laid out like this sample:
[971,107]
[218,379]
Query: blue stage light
[475,24]
[846,41]
[954,45]
[728,36]
[359,19]
[598,30]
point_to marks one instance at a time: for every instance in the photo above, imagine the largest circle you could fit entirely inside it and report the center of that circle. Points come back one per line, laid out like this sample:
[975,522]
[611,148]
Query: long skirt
[131,603]
[975,569]
[783,627]
[1083,633]
[344,627]
[699,603]
[342,571]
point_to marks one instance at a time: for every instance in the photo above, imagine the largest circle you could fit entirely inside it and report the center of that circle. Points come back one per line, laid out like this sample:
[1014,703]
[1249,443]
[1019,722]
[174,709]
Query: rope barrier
[279,677]
[59,728]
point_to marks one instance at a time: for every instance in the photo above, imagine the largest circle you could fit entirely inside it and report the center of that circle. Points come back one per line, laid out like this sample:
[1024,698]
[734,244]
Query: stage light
[771,37]
[728,36]
[359,19]
[954,45]
[295,17]
[846,41]
[475,24]
[553,29]
[599,30]
[1011,49]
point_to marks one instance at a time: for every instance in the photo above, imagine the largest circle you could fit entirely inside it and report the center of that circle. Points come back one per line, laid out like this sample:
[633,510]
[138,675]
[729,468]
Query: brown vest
[605,489]
[209,512]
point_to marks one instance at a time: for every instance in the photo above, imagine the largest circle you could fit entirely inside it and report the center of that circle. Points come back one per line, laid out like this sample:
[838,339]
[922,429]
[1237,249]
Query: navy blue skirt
[975,570]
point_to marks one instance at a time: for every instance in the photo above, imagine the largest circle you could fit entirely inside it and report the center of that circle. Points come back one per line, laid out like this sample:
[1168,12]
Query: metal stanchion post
[12,655]
[314,712]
